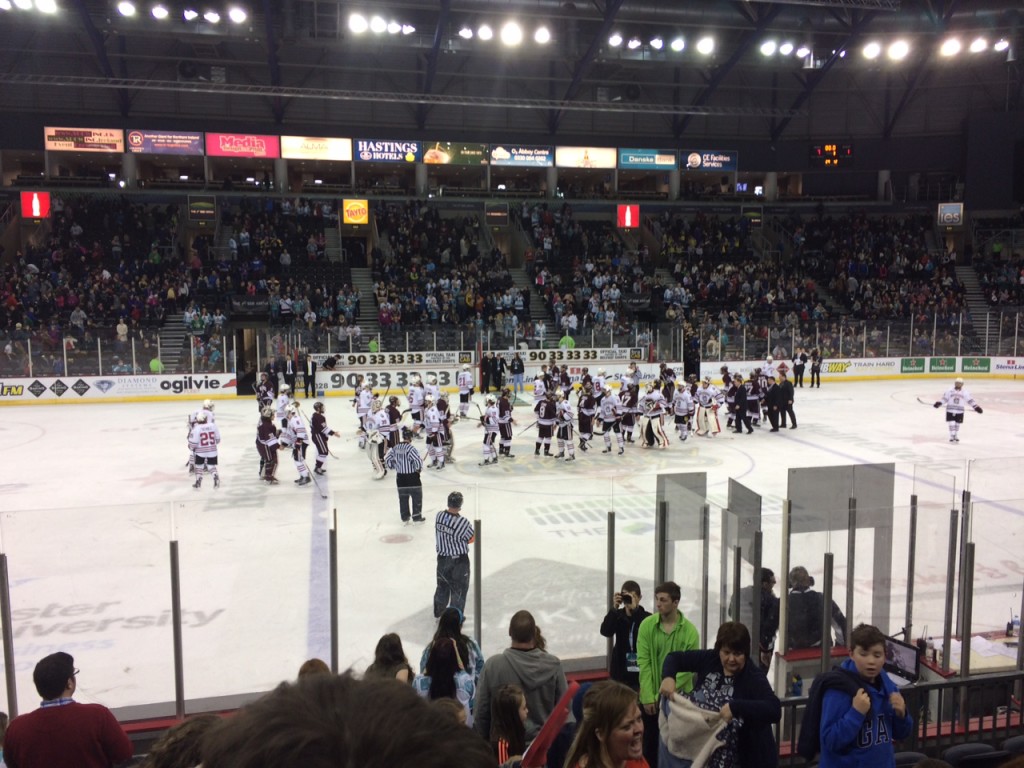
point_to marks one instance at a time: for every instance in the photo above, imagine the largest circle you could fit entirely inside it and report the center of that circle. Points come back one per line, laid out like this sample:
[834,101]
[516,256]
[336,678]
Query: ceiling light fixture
[212,16]
[615,40]
[1002,45]
[511,34]
[677,44]
[357,24]
[25,5]
[542,36]
[378,25]
[706,45]
[485,32]
[408,29]
[803,51]
[237,15]
[5,5]
[394,28]
[950,47]
[898,50]
[466,33]
[160,12]
[190,14]
[634,43]
[872,50]
[46,6]
[786,48]
[768,48]
[978,45]
[657,43]
[126,8]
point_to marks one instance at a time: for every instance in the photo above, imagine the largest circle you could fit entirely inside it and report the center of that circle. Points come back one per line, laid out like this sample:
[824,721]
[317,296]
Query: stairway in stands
[977,305]
[362,280]
[174,341]
[537,309]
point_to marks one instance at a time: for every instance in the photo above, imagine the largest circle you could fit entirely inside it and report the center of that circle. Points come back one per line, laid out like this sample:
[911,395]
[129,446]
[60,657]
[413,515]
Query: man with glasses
[63,733]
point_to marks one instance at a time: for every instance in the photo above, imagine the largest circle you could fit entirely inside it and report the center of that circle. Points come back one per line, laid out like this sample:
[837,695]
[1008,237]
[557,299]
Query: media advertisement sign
[709,159]
[35,205]
[165,143]
[316,148]
[388,151]
[454,153]
[585,157]
[242,145]
[83,139]
[522,157]
[648,159]
[355,211]
[950,215]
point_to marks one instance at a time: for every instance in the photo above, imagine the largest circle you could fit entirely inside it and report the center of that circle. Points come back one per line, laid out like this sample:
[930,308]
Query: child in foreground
[860,731]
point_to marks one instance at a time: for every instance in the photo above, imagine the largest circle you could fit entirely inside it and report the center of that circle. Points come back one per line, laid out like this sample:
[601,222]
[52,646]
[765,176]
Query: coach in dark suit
[309,371]
[771,404]
[785,398]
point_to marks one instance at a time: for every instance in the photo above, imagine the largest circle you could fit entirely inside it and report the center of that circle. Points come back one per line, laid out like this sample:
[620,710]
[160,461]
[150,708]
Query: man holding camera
[623,623]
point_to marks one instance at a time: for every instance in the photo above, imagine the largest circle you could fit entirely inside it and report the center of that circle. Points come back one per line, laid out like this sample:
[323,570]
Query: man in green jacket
[660,634]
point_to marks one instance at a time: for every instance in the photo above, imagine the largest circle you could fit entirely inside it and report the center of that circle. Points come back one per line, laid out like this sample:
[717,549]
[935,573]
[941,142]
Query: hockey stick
[527,428]
[323,493]
[309,426]
[923,402]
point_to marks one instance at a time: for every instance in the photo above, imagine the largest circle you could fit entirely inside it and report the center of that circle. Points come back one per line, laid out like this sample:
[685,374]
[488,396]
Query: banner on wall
[78,388]
[166,143]
[202,208]
[388,151]
[522,157]
[83,139]
[648,159]
[35,205]
[242,145]
[585,157]
[454,153]
[355,211]
[709,159]
[316,148]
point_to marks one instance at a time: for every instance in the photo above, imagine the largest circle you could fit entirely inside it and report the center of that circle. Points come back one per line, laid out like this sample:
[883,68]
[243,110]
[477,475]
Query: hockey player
[565,381]
[709,399]
[464,381]
[320,433]
[586,378]
[540,389]
[505,422]
[264,392]
[630,377]
[955,399]
[266,446]
[489,421]
[742,414]
[435,435]
[284,399]
[629,397]
[296,428]
[587,409]
[753,397]
[653,406]
[207,408]
[564,418]
[393,416]
[431,388]
[734,400]
[611,412]
[768,370]
[364,404]
[447,435]
[381,427]
[667,379]
[203,441]
[416,395]
[546,416]
[599,386]
[682,407]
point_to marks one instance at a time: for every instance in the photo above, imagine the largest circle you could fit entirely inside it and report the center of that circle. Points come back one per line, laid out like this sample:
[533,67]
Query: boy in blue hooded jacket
[861,731]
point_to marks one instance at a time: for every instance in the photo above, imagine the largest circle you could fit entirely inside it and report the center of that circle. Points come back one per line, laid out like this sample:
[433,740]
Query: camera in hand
[627,599]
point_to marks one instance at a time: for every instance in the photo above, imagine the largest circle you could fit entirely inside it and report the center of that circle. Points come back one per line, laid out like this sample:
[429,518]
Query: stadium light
[378,25]
[786,48]
[190,14]
[677,44]
[212,16]
[803,51]
[657,43]
[511,34]
[394,28]
[706,45]
[1002,45]
[357,24]
[615,40]
[978,45]
[24,5]
[160,12]
[484,32]
[46,6]
[466,33]
[126,8]
[5,5]
[542,36]
[768,48]
[408,29]
[634,43]
[950,47]
[898,50]
[872,50]
[237,15]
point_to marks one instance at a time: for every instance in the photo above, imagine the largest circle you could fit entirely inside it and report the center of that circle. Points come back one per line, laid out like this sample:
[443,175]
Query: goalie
[709,400]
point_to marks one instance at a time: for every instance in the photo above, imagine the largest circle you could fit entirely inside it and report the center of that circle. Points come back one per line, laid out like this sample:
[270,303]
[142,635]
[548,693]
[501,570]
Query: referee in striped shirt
[452,535]
[405,460]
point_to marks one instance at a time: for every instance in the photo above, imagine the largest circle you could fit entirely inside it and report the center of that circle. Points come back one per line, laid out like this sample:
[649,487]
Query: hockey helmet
[285,388]
[769,359]
[707,379]
[588,387]
[318,407]
[431,378]
[958,383]
[428,400]
[724,369]
[649,386]
[415,378]
[559,395]
[737,378]
[585,370]
[267,413]
[393,400]
[600,371]
[607,390]
[375,404]
[291,410]
[200,418]
[465,366]
[660,365]
[680,384]
[208,405]
[491,399]
[506,392]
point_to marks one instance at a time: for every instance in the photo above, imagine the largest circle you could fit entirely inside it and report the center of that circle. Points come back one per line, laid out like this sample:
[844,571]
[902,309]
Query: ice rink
[92,494]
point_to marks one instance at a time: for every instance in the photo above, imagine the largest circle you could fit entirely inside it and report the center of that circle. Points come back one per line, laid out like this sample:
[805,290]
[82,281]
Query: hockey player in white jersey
[284,399]
[299,440]
[709,400]
[600,385]
[682,408]
[489,421]
[955,399]
[464,381]
[653,407]
[769,370]
[540,390]
[207,409]
[434,426]
[381,427]
[564,427]
[431,388]
[202,442]
[364,405]
[610,412]
[416,396]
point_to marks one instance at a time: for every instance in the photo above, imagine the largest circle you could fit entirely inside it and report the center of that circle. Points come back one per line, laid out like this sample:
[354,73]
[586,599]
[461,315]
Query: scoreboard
[831,155]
